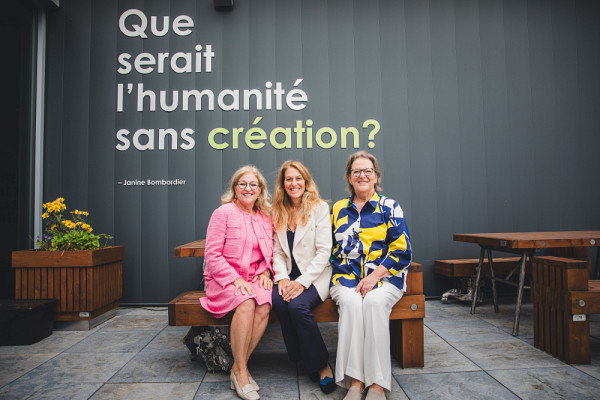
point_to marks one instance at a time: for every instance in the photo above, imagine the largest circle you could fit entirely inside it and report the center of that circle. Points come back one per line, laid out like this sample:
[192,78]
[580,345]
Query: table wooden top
[532,240]
[193,249]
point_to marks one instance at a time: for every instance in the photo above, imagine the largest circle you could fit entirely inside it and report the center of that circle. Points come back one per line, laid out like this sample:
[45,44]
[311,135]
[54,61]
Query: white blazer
[312,249]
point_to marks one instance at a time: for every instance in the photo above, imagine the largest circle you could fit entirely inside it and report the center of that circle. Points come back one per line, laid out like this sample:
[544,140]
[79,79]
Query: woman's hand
[264,280]
[243,287]
[281,285]
[292,290]
[366,284]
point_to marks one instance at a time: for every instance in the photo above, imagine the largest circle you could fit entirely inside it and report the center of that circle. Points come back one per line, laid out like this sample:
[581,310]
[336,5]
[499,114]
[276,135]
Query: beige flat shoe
[245,393]
[354,393]
[253,383]
[373,394]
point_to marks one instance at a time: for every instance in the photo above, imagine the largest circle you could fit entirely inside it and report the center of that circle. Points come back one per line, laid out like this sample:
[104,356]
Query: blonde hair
[263,202]
[368,156]
[282,204]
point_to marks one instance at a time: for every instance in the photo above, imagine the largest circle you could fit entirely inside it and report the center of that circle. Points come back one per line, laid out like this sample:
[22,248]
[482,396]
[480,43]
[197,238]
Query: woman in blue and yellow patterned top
[370,262]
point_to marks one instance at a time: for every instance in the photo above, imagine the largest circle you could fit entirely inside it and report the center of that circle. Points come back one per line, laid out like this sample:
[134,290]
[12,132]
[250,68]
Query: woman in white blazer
[301,251]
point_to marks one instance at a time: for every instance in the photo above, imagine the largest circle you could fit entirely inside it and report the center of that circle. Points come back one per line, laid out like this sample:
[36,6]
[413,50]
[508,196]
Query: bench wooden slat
[462,267]
[185,310]
[590,298]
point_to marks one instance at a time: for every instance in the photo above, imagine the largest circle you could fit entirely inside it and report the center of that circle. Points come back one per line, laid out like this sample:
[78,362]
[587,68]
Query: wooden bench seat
[563,297]
[406,319]
[464,267]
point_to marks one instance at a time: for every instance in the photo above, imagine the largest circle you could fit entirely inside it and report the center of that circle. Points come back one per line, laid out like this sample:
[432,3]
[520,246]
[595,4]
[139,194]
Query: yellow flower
[53,227]
[69,224]
[45,215]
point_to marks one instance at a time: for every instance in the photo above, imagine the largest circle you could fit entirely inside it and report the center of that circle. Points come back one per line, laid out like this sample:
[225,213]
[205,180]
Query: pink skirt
[220,301]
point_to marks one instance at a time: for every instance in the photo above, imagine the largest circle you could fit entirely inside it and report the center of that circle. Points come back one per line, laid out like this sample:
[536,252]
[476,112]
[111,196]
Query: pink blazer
[225,241]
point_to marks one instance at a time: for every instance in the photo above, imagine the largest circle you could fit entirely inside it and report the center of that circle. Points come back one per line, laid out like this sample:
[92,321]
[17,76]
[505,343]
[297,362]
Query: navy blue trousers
[301,334]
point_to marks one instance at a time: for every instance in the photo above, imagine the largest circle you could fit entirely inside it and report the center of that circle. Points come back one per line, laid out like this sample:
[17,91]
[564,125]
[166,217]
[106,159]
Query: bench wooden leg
[576,340]
[407,342]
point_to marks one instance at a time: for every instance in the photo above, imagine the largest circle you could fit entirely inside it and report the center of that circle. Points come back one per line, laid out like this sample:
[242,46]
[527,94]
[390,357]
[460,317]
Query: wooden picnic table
[192,249]
[525,244]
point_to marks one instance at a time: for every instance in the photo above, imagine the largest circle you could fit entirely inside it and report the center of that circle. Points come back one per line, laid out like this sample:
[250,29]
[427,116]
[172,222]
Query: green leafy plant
[68,230]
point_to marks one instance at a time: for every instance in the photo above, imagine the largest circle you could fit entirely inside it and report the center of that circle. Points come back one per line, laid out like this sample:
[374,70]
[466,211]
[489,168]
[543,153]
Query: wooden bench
[464,267]
[406,319]
[563,297]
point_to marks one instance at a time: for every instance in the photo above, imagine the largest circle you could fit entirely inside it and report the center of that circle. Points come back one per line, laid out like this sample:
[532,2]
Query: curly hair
[282,203]
[263,202]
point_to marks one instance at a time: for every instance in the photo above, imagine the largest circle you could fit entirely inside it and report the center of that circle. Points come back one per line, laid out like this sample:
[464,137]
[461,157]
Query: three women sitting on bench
[368,268]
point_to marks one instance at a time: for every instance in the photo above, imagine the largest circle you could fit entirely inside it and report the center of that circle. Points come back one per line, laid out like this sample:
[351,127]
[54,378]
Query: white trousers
[363,350]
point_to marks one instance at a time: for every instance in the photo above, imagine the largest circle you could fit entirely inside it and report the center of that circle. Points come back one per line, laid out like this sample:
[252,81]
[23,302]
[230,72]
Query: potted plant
[72,265]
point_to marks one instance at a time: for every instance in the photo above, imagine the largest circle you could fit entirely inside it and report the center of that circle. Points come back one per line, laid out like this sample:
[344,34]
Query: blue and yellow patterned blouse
[376,236]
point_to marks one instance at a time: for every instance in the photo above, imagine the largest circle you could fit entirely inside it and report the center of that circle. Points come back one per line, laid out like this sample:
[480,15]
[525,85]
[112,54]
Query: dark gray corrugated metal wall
[489,115]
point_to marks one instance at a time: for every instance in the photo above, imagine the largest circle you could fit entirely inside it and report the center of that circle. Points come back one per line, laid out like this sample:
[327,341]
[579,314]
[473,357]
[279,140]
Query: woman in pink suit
[238,254]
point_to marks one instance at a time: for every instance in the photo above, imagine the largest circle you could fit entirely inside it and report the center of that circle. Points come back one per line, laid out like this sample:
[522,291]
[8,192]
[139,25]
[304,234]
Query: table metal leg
[523,263]
[478,276]
[494,293]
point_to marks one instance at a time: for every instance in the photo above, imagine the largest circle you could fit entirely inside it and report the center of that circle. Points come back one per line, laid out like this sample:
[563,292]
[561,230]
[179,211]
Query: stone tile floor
[136,355]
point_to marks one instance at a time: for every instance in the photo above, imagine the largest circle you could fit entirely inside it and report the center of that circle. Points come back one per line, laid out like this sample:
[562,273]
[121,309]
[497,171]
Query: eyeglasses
[366,171]
[244,185]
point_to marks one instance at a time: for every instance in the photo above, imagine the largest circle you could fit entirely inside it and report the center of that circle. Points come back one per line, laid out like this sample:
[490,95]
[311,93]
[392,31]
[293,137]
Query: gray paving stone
[557,383]
[216,391]
[147,391]
[58,342]
[277,389]
[156,311]
[430,337]
[78,368]
[439,357]
[269,389]
[167,366]
[48,391]
[505,323]
[136,355]
[592,369]
[272,367]
[435,310]
[169,339]
[140,322]
[467,330]
[272,341]
[452,386]
[216,376]
[13,366]
[505,354]
[103,341]
[310,390]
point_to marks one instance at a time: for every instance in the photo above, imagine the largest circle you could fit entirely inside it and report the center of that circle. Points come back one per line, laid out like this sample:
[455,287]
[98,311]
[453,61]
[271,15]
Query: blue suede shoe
[327,384]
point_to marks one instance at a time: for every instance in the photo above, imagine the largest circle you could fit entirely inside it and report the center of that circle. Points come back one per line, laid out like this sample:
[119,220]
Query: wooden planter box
[86,283]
